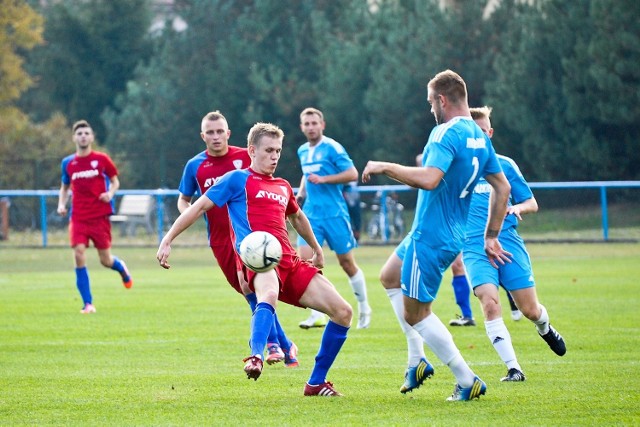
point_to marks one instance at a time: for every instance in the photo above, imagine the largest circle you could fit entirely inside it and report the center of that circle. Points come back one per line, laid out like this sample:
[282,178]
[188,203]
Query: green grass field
[169,351]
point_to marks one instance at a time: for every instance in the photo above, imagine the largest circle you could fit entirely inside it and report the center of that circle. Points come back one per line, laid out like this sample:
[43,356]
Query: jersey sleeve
[492,166]
[226,188]
[520,190]
[292,205]
[440,154]
[341,158]
[110,168]
[65,178]
[188,183]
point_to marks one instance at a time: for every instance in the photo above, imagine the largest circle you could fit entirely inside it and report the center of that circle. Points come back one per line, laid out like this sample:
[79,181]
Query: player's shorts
[228,263]
[97,230]
[515,275]
[335,231]
[401,249]
[422,270]
[294,275]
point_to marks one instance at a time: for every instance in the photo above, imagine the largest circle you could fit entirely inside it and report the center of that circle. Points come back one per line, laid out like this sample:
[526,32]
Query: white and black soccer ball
[260,251]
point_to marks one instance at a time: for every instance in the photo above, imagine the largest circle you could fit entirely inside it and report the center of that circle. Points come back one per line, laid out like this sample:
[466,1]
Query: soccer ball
[260,251]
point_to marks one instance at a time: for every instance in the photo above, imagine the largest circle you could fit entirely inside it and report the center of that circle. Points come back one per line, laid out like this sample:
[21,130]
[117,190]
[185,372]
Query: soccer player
[200,173]
[456,155]
[516,276]
[326,168]
[258,201]
[92,178]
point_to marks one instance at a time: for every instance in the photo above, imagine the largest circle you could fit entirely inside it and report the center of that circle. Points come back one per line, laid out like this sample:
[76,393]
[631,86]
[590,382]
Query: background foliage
[561,76]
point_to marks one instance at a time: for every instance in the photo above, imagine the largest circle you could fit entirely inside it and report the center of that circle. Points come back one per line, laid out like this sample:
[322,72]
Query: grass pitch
[169,351]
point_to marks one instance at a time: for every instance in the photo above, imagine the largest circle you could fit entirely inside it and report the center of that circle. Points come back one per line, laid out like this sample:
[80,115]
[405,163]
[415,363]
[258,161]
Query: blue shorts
[422,270]
[336,232]
[401,249]
[512,276]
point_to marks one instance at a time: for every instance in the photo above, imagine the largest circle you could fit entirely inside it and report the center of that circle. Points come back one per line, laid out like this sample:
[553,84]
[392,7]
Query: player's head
[446,91]
[312,124]
[82,134]
[482,116]
[214,131]
[264,143]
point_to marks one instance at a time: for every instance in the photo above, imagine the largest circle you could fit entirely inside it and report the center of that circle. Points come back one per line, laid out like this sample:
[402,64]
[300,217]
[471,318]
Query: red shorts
[294,275]
[229,264]
[97,230]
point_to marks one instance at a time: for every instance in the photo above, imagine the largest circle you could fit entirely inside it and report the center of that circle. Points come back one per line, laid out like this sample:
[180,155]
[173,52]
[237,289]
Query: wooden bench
[134,211]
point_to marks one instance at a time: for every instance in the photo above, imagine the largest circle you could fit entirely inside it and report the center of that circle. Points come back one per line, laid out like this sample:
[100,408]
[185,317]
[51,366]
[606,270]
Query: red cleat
[253,367]
[325,389]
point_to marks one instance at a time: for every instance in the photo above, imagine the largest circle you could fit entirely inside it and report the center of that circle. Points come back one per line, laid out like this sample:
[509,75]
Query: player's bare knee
[342,314]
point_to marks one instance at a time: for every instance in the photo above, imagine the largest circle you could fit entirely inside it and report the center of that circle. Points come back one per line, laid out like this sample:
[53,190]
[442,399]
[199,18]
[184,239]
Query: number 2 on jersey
[476,166]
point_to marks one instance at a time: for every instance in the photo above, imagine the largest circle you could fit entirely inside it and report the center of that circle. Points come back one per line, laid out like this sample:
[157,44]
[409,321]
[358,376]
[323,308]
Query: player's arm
[184,221]
[343,177]
[302,192]
[301,224]
[426,178]
[497,212]
[63,199]
[522,208]
[183,202]
[114,185]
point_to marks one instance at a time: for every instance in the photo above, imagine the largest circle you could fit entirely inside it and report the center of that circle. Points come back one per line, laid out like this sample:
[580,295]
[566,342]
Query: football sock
[252,300]
[117,266]
[333,337]
[82,283]
[501,340]
[415,345]
[543,322]
[359,286]
[281,337]
[261,324]
[462,292]
[436,335]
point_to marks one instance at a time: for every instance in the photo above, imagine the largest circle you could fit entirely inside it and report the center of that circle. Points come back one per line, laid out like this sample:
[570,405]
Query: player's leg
[418,368]
[101,236]
[315,319]
[462,292]
[321,295]
[79,241]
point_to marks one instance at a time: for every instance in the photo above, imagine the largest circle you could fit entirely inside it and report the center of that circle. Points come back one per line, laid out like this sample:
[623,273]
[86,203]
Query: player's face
[265,155]
[436,106]
[312,126]
[83,137]
[215,134]
[485,125]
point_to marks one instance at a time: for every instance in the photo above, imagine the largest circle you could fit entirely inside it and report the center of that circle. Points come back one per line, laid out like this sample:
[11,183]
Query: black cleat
[514,375]
[555,341]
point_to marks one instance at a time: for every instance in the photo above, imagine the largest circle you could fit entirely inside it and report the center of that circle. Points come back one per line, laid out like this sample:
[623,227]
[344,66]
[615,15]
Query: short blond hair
[480,112]
[259,130]
[310,110]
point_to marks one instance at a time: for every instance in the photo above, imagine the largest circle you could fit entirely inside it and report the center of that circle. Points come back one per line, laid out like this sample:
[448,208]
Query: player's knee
[343,314]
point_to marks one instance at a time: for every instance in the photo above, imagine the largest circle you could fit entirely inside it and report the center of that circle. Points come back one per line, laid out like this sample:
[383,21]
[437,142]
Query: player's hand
[318,258]
[105,197]
[495,253]
[244,285]
[515,210]
[372,168]
[163,255]
[62,210]
[315,179]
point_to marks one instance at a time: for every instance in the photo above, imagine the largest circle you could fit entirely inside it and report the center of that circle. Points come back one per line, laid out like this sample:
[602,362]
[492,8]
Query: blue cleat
[478,388]
[415,376]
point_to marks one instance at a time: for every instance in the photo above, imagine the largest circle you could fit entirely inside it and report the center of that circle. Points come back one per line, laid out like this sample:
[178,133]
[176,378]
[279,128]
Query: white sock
[501,339]
[543,322]
[359,286]
[415,345]
[436,335]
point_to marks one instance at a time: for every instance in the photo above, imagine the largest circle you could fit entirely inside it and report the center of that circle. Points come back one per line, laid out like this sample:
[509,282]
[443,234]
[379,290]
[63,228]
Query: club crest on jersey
[94,164]
[272,196]
[237,164]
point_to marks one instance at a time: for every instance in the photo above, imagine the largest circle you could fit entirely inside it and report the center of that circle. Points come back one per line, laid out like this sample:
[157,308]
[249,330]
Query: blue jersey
[464,153]
[479,210]
[327,157]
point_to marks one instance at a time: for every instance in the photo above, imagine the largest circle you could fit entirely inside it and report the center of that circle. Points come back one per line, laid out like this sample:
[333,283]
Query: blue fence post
[160,214]
[605,216]
[43,219]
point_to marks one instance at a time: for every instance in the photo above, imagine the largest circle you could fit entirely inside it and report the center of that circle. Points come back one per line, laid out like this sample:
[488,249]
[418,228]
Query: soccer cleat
[253,367]
[275,353]
[462,321]
[325,389]
[127,281]
[313,322]
[291,357]
[415,376]
[514,375]
[88,309]
[477,388]
[555,341]
[516,315]
[364,319]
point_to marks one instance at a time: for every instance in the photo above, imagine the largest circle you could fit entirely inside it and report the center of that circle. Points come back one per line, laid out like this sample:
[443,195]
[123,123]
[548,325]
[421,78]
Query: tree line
[562,78]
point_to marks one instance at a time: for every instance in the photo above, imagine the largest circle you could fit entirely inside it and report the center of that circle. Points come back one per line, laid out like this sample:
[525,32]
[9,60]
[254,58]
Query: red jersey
[88,177]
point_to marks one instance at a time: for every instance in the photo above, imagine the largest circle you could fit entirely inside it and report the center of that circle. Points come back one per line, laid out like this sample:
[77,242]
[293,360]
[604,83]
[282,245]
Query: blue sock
[282,339]
[252,299]
[82,283]
[332,339]
[273,332]
[117,266]
[261,323]
[462,292]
